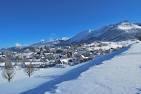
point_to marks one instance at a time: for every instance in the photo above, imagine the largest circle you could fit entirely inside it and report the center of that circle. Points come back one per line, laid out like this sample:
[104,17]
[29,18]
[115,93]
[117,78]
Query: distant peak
[126,25]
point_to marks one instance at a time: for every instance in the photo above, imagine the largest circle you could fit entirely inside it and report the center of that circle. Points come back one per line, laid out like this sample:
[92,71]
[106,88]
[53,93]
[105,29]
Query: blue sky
[29,21]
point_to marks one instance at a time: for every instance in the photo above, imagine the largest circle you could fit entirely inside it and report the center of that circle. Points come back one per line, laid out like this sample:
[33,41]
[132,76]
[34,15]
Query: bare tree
[29,69]
[8,71]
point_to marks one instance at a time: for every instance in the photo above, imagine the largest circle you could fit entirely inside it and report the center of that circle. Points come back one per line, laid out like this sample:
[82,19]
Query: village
[43,57]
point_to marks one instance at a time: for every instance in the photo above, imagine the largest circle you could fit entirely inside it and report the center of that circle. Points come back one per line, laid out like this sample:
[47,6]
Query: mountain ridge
[115,32]
[121,31]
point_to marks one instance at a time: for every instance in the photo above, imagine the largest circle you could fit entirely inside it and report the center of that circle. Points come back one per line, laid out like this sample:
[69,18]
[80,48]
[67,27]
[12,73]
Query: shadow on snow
[51,85]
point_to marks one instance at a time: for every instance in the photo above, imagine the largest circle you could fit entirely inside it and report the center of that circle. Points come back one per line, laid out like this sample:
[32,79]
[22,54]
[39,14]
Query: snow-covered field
[116,73]
[119,75]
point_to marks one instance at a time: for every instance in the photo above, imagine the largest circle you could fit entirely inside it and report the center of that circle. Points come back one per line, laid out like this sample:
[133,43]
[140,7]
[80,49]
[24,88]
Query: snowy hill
[113,73]
[84,35]
[115,32]
[117,75]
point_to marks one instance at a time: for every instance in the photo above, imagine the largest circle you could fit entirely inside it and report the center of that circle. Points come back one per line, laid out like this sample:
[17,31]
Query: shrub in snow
[8,71]
[29,69]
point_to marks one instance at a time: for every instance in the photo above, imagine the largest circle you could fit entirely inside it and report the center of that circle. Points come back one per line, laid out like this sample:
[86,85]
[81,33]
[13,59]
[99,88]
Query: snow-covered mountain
[34,46]
[84,35]
[47,43]
[116,32]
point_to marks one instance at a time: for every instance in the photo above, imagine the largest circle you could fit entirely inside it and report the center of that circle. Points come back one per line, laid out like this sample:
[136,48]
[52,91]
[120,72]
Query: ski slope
[119,75]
